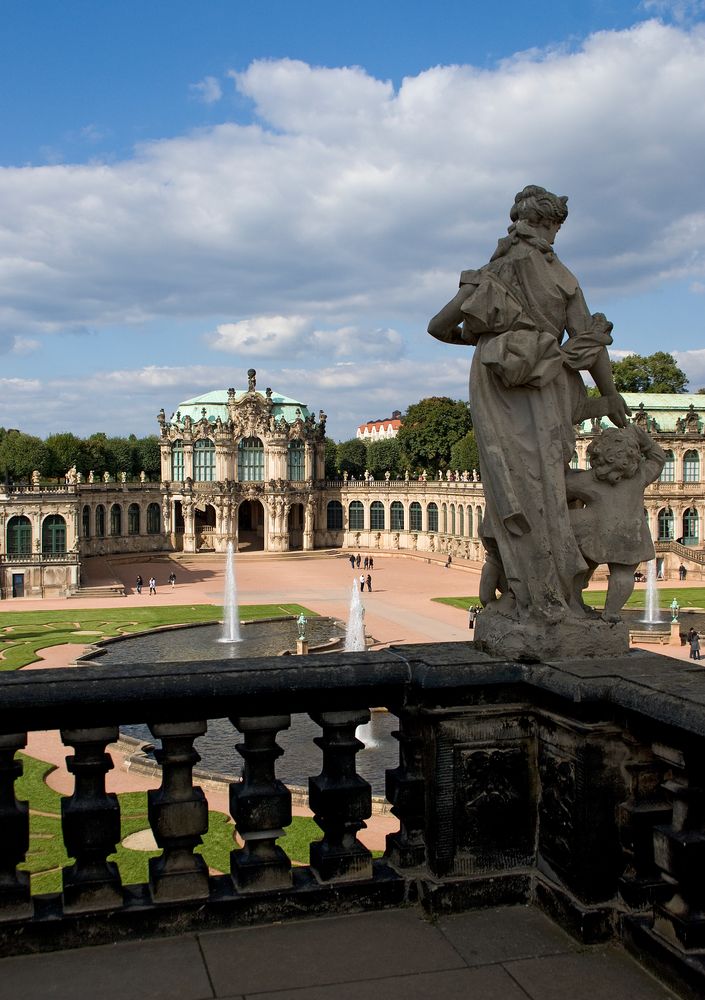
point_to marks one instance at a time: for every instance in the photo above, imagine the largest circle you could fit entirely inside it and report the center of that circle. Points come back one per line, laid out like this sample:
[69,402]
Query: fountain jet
[355,631]
[652,615]
[231,612]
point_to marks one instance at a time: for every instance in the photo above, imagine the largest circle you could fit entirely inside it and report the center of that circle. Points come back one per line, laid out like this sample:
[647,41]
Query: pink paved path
[398,610]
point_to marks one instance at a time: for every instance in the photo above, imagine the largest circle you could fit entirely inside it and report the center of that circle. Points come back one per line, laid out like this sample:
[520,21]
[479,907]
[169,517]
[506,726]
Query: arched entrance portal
[178,528]
[204,527]
[296,526]
[250,525]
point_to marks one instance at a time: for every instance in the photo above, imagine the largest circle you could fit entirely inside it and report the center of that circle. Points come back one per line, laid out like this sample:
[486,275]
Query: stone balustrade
[576,785]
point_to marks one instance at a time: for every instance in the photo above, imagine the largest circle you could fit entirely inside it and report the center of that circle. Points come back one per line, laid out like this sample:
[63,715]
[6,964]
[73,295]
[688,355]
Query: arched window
[376,516]
[461,520]
[690,526]
[250,460]
[478,514]
[665,524]
[668,473]
[432,516]
[356,516]
[177,462]
[296,461]
[100,521]
[444,511]
[396,516]
[19,535]
[86,521]
[334,515]
[452,519]
[575,461]
[415,516]
[154,525]
[133,519]
[204,461]
[53,534]
[691,467]
[470,521]
[116,519]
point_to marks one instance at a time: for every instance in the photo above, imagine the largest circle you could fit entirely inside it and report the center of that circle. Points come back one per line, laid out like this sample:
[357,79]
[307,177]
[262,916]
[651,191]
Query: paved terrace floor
[512,953]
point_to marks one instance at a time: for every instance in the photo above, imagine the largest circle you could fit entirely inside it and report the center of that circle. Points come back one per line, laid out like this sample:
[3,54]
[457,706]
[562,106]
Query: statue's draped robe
[525,397]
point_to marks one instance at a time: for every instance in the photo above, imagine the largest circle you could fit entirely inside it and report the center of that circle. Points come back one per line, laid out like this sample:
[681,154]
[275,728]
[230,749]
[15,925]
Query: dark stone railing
[576,785]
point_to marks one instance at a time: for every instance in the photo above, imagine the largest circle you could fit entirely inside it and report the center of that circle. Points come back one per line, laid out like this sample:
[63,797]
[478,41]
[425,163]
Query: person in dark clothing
[369,582]
[138,584]
[352,560]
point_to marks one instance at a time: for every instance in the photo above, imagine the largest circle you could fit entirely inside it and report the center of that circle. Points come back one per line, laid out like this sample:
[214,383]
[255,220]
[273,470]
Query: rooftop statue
[526,396]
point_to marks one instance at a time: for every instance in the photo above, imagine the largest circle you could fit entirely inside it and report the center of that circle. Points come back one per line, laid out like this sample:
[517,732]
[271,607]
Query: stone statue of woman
[526,396]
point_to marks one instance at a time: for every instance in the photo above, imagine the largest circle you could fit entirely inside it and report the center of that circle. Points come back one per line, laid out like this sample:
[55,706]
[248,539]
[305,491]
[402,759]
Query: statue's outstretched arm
[445,325]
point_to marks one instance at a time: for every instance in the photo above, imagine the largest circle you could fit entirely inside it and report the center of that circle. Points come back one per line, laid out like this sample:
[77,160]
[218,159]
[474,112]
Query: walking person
[138,584]
[471,618]
[362,581]
[371,563]
[172,579]
[352,560]
[369,582]
[366,562]
[152,586]
[358,560]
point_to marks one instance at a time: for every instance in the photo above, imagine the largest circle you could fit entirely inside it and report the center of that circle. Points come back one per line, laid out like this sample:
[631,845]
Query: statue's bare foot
[612,619]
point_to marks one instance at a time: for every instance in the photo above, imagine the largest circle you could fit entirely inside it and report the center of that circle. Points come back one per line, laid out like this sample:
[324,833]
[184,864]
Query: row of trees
[21,454]
[436,433]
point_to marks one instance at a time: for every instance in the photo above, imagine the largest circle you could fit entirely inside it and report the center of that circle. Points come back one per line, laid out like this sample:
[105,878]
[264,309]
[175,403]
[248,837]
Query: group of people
[368,563]
[473,611]
[152,583]
[356,561]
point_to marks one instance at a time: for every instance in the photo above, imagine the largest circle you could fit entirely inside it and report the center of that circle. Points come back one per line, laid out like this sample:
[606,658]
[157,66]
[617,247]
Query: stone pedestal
[301,647]
[675,633]
[542,639]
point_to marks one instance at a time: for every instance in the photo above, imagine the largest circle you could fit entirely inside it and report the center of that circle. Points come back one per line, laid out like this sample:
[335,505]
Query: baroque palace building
[248,466]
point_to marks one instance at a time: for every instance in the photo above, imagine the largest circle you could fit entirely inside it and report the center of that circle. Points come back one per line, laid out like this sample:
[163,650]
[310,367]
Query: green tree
[384,456]
[96,451]
[331,459]
[63,451]
[464,455]
[149,457]
[429,430]
[120,456]
[21,454]
[649,373]
[352,457]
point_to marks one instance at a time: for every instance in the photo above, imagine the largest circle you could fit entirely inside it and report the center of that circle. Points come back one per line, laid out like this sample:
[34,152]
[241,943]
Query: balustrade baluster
[261,806]
[178,815]
[91,823]
[14,833]
[679,850]
[405,789]
[340,799]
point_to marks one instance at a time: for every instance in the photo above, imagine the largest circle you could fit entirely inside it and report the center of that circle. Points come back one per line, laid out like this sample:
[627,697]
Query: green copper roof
[664,407]
[215,404]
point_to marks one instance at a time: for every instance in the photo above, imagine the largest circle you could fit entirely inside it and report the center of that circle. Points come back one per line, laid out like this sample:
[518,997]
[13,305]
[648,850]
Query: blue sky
[190,190]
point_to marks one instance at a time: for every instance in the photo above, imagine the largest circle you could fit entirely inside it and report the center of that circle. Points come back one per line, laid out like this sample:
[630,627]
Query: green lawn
[22,633]
[687,597]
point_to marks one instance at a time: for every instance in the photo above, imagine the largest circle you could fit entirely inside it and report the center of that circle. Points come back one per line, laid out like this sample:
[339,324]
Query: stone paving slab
[508,953]
[165,969]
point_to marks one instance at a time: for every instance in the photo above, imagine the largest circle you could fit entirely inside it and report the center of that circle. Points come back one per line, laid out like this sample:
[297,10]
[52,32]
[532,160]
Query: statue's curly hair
[535,205]
[614,454]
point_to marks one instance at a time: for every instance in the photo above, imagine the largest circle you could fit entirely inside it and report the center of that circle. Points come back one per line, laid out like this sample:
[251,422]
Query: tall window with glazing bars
[204,461]
[250,461]
[296,462]
[177,462]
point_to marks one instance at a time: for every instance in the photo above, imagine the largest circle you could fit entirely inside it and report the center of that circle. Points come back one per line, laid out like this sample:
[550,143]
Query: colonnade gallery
[248,466]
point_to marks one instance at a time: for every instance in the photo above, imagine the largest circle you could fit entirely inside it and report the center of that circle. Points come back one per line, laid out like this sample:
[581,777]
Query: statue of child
[610,526]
